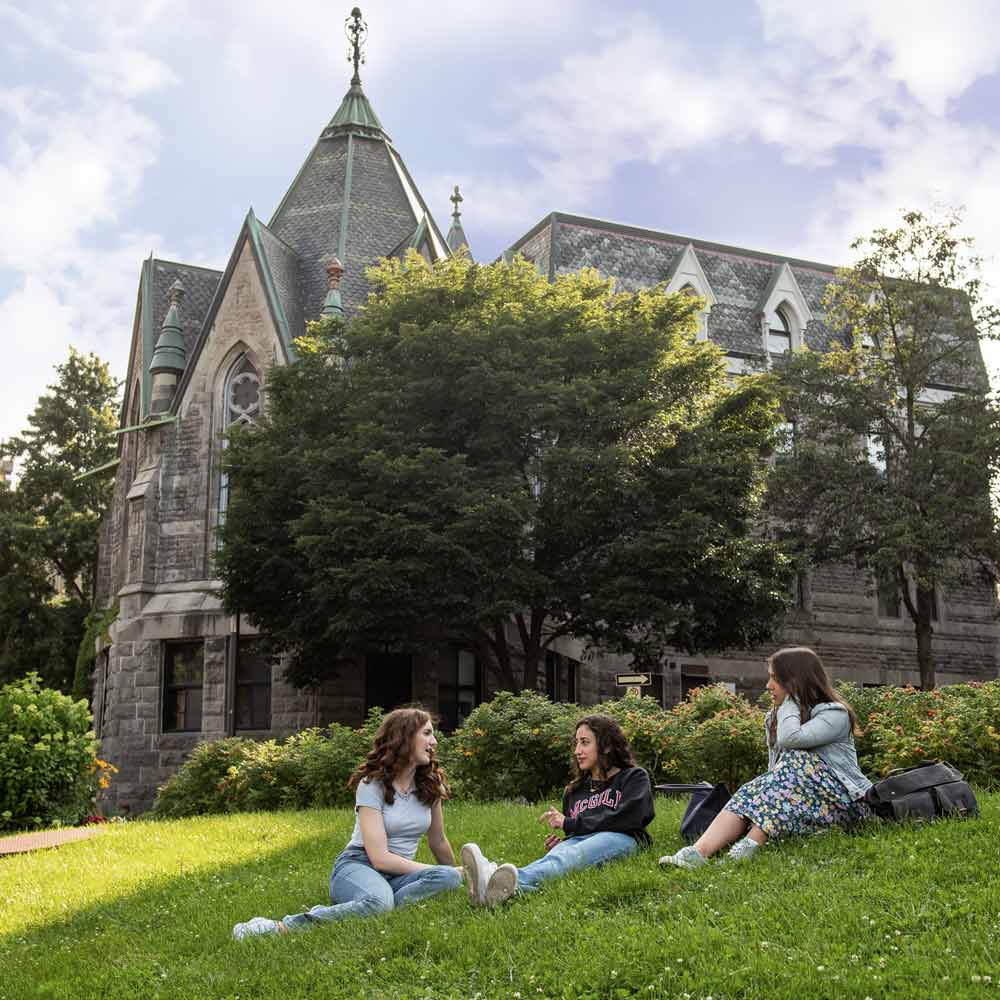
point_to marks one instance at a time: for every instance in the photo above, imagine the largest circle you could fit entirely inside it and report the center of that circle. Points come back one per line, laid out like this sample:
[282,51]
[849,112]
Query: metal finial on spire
[176,292]
[332,305]
[456,199]
[357,31]
[333,272]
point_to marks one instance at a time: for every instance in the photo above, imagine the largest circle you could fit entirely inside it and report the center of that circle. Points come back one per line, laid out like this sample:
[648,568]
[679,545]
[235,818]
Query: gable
[241,315]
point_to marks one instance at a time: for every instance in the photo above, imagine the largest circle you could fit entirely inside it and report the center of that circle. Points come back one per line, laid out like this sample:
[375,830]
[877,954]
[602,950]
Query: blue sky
[127,127]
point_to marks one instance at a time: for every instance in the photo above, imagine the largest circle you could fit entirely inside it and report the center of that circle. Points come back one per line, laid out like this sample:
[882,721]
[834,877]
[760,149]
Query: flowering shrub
[197,787]
[959,724]
[654,735]
[49,769]
[519,746]
[307,769]
[515,746]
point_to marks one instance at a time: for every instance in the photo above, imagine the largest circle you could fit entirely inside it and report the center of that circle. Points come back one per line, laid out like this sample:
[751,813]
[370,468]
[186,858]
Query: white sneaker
[743,849]
[254,927]
[687,857]
[477,873]
[502,884]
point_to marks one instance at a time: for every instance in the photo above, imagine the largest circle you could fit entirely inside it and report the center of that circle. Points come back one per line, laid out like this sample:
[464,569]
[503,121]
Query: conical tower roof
[355,114]
[354,200]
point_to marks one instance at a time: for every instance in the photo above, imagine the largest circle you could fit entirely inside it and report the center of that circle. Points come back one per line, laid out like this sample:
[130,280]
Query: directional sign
[633,680]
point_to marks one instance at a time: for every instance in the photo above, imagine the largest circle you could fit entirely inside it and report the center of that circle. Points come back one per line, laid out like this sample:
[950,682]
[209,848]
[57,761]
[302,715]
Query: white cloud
[71,161]
[935,51]
[42,324]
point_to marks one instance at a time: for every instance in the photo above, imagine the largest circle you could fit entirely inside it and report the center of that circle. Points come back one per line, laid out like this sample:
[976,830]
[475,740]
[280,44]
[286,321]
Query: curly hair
[390,754]
[613,748]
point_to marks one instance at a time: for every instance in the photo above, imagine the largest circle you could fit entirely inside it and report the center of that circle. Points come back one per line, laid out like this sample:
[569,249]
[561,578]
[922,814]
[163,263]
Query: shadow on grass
[169,936]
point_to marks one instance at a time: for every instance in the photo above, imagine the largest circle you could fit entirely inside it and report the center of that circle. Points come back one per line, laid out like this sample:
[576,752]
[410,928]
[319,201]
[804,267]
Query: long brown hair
[613,749]
[799,670]
[390,753]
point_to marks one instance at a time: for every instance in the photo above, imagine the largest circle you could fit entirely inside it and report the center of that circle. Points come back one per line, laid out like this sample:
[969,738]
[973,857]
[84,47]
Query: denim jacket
[827,734]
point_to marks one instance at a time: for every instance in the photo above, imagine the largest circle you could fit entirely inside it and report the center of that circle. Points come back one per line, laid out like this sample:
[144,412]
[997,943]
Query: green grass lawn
[145,910]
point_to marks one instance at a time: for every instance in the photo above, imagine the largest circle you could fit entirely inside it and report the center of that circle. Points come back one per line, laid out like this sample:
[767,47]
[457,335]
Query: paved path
[48,838]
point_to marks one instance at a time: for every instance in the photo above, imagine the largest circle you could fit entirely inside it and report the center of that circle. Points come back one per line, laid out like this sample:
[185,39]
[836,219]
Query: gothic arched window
[242,394]
[779,332]
[241,402]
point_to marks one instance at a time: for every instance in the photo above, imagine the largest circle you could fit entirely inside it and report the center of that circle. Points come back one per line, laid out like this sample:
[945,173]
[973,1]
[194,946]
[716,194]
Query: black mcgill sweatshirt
[623,804]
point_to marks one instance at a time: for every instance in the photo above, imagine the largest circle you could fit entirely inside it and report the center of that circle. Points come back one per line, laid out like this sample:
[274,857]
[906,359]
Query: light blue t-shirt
[406,820]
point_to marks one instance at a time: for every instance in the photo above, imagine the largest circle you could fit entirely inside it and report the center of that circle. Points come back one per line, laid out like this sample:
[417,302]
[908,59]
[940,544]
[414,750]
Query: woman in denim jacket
[813,779]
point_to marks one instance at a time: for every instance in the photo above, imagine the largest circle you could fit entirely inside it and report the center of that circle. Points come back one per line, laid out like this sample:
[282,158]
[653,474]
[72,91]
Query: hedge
[518,747]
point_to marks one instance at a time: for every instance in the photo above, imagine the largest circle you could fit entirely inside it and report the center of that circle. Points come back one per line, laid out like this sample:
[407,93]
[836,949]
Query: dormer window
[779,332]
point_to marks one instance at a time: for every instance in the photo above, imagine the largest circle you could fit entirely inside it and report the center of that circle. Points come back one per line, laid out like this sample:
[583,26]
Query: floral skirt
[800,795]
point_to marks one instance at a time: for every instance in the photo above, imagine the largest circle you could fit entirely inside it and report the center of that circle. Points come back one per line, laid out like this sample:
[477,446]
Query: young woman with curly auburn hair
[813,780]
[605,812]
[399,789]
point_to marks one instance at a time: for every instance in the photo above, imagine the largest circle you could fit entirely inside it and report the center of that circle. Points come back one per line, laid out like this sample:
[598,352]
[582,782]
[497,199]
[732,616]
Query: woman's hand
[551,840]
[553,817]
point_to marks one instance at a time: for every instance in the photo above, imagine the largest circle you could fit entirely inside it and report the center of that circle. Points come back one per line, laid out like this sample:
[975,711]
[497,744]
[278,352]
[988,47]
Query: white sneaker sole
[473,861]
[502,885]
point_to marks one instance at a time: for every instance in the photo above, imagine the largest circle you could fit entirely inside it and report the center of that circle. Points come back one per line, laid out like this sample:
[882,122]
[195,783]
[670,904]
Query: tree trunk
[531,646]
[925,631]
[494,651]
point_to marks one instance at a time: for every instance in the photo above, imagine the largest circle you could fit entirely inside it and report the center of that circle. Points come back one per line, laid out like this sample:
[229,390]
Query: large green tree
[49,520]
[486,458]
[897,437]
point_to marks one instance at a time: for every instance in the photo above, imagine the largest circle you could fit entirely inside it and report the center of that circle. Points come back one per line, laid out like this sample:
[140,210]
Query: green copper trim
[332,305]
[355,114]
[420,234]
[146,426]
[281,321]
[345,211]
[148,336]
[170,354]
[107,467]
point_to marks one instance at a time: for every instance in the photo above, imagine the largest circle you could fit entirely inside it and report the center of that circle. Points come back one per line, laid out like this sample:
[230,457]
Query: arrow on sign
[633,680]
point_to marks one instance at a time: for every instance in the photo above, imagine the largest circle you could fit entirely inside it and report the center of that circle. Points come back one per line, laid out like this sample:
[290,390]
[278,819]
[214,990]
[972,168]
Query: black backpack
[706,802]
[924,791]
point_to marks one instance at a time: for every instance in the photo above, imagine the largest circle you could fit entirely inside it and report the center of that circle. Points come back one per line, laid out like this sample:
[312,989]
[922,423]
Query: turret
[169,357]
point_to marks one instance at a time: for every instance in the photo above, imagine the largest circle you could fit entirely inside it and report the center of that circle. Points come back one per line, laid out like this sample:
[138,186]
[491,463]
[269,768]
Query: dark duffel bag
[925,791]
[706,802]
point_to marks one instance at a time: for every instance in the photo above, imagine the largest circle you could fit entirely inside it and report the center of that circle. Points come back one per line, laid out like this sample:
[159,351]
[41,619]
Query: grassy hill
[145,910]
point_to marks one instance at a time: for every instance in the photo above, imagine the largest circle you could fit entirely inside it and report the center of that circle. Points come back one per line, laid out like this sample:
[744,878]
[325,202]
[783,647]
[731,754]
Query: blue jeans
[575,853]
[358,890]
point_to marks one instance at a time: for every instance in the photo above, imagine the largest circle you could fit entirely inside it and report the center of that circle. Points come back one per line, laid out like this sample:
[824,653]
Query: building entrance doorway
[389,681]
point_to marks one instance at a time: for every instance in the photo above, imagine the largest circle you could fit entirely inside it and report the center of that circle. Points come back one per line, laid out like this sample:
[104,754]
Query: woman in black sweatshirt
[605,812]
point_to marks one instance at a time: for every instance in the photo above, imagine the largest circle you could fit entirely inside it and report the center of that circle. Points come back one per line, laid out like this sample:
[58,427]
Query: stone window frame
[785,299]
[233,684]
[165,688]
[239,355]
[688,273]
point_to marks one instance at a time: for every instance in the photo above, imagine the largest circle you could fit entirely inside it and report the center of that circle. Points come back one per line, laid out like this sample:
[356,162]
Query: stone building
[178,670]
[757,307]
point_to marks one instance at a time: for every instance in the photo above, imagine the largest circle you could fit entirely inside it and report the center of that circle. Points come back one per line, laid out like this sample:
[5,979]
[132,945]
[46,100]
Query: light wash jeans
[572,854]
[357,890]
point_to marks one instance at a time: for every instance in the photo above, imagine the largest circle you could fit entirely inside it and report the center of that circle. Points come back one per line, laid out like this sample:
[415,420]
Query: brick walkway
[49,838]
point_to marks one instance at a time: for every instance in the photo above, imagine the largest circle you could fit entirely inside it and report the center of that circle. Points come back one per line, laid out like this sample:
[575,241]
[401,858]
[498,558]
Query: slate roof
[284,265]
[353,199]
[199,284]
[639,258]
